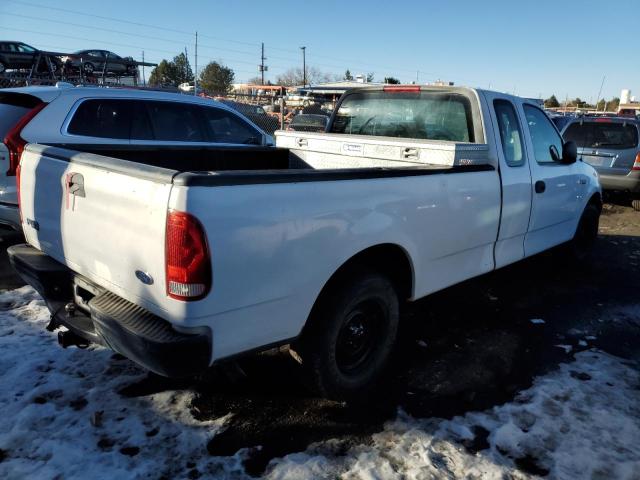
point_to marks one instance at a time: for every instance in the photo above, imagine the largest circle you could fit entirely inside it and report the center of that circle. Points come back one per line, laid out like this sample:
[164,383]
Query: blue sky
[533,48]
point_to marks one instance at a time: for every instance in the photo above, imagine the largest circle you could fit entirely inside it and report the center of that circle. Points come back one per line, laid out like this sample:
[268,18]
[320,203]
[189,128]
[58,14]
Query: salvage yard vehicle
[182,258]
[88,115]
[611,145]
[20,56]
[96,61]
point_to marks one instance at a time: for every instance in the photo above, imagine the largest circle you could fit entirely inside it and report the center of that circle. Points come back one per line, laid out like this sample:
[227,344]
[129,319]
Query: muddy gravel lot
[472,348]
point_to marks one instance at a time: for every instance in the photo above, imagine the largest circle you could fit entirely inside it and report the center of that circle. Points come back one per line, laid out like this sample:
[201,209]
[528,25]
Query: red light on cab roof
[401,88]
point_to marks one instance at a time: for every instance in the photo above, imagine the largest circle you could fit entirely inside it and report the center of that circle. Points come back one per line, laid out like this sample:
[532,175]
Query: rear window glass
[226,127]
[172,121]
[317,120]
[102,118]
[9,116]
[603,135]
[422,115]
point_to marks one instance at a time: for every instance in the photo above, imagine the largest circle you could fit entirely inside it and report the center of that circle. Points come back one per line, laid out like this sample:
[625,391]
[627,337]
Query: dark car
[20,56]
[612,146]
[255,113]
[562,120]
[308,122]
[94,61]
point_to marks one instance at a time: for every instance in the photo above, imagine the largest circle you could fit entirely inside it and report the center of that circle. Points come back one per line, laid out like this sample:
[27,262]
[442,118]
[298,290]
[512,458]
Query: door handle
[75,184]
[540,186]
[302,142]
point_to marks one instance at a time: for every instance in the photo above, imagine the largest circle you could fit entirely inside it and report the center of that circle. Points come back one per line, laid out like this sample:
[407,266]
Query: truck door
[555,185]
[515,177]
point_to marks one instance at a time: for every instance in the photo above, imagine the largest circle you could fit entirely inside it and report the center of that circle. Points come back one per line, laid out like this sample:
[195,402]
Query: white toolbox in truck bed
[333,150]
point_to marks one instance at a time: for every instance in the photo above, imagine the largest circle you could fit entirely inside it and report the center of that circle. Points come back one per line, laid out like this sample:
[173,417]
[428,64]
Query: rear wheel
[88,68]
[2,67]
[350,336]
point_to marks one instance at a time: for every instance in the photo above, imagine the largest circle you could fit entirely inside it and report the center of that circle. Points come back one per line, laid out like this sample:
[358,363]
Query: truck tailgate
[103,222]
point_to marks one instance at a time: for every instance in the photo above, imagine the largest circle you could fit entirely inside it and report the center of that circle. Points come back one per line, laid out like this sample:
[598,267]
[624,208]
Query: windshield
[603,135]
[422,115]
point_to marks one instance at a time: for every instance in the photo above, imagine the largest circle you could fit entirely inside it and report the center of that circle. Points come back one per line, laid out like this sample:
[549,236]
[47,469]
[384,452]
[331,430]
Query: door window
[104,118]
[173,121]
[510,134]
[543,134]
[227,127]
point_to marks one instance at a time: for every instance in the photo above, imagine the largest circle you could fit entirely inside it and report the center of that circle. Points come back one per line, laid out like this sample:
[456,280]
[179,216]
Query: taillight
[15,143]
[188,264]
[636,164]
[18,191]
[401,88]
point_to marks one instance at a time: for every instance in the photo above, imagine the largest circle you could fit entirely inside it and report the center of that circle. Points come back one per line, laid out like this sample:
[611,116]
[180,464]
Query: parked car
[298,99]
[20,56]
[179,267]
[256,113]
[562,120]
[612,146]
[94,61]
[306,122]
[91,116]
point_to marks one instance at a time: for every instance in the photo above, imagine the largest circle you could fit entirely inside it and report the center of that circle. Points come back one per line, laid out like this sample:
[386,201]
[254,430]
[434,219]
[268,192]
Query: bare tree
[294,76]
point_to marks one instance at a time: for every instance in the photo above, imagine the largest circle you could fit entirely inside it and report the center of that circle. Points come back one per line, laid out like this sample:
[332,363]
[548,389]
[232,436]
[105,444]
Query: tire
[636,204]
[2,68]
[582,243]
[88,68]
[350,336]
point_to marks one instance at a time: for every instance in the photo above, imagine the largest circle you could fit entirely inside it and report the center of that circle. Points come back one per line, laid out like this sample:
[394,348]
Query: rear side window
[603,135]
[104,118]
[422,115]
[510,134]
[227,127]
[14,106]
[173,121]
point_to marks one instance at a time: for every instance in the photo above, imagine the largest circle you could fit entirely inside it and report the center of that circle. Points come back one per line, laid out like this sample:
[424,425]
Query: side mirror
[569,152]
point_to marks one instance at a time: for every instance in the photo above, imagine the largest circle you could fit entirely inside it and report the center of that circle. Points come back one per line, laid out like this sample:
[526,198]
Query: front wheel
[350,336]
[586,233]
[2,67]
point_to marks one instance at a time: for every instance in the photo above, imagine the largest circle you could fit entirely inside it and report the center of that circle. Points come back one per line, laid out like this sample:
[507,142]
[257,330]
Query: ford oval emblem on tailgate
[144,277]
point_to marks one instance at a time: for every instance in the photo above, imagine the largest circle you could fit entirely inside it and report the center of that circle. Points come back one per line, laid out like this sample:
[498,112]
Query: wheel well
[388,259]
[596,200]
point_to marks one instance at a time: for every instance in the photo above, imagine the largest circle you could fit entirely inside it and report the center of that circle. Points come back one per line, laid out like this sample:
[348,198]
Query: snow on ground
[581,421]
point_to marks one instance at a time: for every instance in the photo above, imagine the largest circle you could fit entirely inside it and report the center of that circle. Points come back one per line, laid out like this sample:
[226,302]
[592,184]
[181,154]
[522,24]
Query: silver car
[612,146]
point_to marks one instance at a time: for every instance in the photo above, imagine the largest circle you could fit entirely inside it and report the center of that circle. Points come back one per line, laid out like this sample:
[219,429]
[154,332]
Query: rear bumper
[623,183]
[112,321]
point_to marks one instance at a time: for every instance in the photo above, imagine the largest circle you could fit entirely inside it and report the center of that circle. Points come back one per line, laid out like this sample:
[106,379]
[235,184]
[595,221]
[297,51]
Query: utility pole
[599,92]
[304,66]
[195,74]
[144,84]
[262,67]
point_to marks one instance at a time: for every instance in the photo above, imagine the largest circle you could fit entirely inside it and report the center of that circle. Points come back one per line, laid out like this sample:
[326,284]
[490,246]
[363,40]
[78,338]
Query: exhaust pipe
[69,339]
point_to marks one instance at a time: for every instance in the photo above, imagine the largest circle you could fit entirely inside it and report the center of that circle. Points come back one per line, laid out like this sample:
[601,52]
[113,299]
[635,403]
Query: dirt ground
[465,349]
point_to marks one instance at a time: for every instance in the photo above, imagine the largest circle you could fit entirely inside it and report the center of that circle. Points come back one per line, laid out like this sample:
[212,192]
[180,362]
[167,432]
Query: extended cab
[181,258]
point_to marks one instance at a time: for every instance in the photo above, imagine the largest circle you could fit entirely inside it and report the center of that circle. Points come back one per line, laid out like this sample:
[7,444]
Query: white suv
[104,116]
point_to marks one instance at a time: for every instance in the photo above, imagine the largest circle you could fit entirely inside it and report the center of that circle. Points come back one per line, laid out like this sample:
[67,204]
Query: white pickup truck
[179,258]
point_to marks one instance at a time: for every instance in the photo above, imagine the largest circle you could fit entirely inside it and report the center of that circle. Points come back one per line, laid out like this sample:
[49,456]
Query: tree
[370,77]
[551,102]
[172,73]
[613,104]
[347,75]
[391,81]
[293,77]
[216,77]
[601,104]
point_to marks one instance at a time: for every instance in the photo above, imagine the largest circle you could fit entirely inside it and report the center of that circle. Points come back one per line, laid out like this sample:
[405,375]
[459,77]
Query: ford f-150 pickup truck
[181,257]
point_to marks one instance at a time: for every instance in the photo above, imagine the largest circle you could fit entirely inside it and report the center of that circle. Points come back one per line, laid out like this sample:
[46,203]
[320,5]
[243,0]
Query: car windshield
[423,115]
[24,48]
[603,134]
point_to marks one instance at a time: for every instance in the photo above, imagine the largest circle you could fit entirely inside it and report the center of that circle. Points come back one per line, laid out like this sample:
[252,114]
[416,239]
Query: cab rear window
[420,115]
[603,135]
